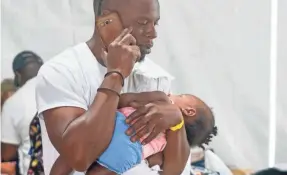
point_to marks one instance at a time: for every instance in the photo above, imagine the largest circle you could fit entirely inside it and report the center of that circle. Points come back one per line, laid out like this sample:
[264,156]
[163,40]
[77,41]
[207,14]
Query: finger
[137,126]
[143,121]
[136,52]
[151,136]
[145,131]
[104,56]
[128,39]
[145,111]
[124,33]
[136,114]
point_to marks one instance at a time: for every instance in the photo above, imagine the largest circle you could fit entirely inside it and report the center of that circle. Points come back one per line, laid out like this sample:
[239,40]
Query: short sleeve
[164,84]
[8,128]
[59,87]
[145,83]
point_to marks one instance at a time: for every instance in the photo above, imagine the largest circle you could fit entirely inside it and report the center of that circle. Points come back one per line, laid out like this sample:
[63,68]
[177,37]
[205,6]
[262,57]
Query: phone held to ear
[109,27]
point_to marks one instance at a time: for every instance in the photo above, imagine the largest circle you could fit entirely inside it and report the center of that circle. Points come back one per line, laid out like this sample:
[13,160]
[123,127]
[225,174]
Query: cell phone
[109,27]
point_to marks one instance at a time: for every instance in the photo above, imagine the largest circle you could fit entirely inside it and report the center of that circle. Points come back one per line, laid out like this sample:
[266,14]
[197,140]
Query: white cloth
[214,163]
[72,78]
[18,112]
[142,169]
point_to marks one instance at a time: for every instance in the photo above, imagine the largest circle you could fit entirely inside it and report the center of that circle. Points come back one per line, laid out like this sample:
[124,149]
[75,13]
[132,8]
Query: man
[271,171]
[19,110]
[7,90]
[78,91]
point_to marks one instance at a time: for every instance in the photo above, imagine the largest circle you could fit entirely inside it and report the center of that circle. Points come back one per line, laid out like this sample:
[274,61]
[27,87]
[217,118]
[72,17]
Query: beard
[144,51]
[142,58]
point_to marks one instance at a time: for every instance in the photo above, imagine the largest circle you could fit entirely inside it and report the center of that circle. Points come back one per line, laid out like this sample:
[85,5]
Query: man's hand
[122,54]
[152,119]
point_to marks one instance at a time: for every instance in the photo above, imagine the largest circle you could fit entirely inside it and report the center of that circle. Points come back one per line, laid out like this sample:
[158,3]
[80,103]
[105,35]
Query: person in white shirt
[19,110]
[78,91]
[7,90]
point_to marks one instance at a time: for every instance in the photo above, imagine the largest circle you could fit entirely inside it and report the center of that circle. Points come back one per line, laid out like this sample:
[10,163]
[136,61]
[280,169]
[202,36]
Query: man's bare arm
[142,98]
[176,152]
[81,136]
[8,151]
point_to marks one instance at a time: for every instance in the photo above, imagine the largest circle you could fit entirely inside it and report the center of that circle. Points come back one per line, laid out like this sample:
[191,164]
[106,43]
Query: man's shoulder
[66,62]
[150,69]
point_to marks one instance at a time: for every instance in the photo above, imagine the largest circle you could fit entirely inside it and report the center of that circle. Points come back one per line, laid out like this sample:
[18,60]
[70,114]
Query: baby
[122,154]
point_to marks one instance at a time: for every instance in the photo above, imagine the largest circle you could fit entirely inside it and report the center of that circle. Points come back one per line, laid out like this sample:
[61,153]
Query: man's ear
[190,112]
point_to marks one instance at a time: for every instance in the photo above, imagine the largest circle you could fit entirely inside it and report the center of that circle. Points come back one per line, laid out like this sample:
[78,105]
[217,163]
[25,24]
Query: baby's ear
[190,112]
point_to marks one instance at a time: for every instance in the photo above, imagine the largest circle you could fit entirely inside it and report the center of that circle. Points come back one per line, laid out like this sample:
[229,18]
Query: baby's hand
[156,159]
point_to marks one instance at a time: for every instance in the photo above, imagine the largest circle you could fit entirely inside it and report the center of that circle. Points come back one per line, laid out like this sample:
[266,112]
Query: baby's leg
[60,167]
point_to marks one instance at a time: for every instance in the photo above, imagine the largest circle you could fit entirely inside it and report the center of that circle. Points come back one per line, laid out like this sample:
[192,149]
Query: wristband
[116,72]
[111,90]
[178,126]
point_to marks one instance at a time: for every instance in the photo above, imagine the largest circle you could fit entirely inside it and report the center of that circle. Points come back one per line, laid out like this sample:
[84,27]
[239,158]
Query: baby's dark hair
[202,130]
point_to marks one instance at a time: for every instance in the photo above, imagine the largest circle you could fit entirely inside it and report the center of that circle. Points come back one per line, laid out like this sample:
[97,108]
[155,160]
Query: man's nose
[151,31]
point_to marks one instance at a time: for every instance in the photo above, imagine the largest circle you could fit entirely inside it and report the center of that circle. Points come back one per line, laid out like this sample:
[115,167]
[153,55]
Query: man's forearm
[142,98]
[89,135]
[176,152]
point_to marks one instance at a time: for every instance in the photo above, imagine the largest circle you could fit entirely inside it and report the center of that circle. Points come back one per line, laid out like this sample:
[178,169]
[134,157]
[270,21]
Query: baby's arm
[176,152]
[142,98]
[60,167]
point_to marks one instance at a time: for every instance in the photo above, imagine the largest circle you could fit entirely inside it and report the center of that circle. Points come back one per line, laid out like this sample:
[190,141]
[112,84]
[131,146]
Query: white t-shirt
[17,114]
[72,79]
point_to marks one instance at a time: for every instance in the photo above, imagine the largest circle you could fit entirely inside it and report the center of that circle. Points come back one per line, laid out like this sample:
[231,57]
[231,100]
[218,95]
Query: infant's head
[198,117]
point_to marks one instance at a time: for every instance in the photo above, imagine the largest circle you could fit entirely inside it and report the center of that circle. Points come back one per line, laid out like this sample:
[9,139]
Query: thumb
[104,56]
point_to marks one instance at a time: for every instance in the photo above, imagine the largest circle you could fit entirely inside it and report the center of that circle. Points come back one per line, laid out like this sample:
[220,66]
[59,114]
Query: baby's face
[185,101]
[188,105]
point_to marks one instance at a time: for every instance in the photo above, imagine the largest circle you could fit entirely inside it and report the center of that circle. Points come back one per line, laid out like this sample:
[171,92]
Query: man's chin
[144,52]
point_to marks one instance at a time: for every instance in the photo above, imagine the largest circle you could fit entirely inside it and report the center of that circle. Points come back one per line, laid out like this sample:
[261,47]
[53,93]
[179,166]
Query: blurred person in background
[7,90]
[19,110]
[271,171]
